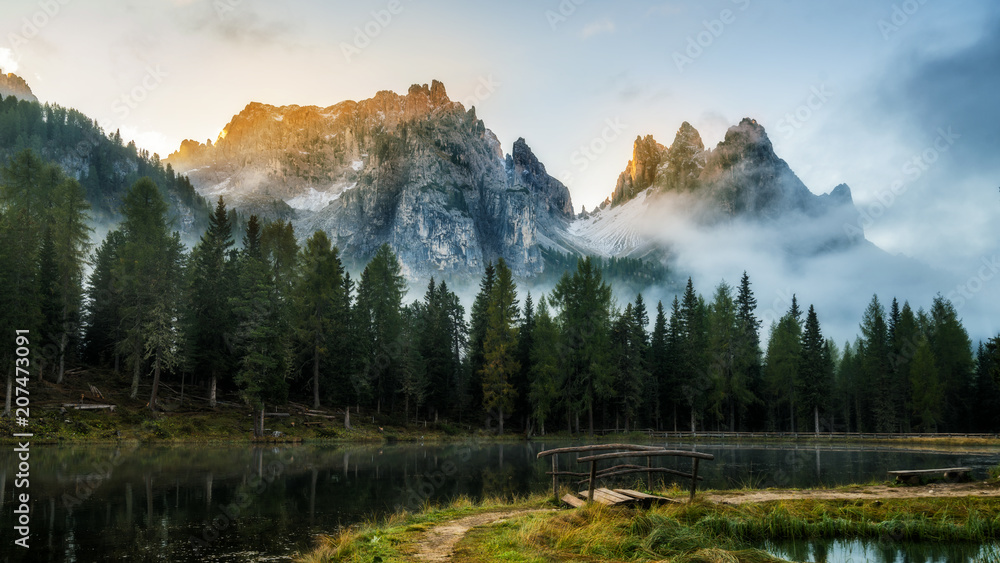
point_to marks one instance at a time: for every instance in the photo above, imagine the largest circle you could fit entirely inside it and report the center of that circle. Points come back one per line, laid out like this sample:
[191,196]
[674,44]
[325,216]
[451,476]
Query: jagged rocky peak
[13,85]
[641,171]
[747,141]
[685,157]
[524,169]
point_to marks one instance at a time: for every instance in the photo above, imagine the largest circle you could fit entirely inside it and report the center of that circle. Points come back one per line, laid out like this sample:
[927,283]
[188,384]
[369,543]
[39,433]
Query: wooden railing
[630,450]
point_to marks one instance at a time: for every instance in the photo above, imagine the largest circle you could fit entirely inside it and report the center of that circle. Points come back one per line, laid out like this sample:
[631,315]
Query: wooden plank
[573,500]
[599,447]
[609,497]
[694,477]
[593,481]
[641,496]
[652,453]
[906,473]
[653,470]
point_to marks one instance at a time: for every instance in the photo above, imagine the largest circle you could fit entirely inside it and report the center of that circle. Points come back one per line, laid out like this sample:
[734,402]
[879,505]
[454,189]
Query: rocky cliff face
[14,85]
[742,178]
[417,171]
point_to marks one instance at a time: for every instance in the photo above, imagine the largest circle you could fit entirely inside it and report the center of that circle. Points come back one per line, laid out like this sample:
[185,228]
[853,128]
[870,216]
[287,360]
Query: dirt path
[438,543]
[936,490]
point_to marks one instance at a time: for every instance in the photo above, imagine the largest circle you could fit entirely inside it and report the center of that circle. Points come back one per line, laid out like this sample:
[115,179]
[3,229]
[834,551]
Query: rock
[14,85]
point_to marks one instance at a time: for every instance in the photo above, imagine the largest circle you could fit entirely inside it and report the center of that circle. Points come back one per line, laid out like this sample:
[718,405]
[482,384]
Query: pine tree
[747,350]
[379,314]
[477,333]
[546,373]
[104,309]
[783,361]
[816,369]
[584,303]
[150,269]
[952,350]
[318,297]
[71,240]
[728,384]
[210,323]
[659,369]
[500,365]
[927,392]
[695,383]
[525,342]
[875,353]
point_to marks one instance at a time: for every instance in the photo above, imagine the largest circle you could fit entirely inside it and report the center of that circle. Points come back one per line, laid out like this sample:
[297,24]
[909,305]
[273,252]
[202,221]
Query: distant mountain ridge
[417,171]
[425,175]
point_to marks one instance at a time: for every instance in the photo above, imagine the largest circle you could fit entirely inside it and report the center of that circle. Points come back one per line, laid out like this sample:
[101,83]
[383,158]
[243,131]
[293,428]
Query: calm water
[229,503]
[828,551]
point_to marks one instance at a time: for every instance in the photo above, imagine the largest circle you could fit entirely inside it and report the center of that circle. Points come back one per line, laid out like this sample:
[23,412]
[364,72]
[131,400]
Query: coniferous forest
[250,311]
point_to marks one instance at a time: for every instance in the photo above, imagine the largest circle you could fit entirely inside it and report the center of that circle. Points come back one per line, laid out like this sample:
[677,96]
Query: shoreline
[712,528]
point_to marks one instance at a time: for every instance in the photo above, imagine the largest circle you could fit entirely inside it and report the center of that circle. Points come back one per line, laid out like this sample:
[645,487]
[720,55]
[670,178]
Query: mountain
[104,164]
[417,171]
[740,180]
[13,85]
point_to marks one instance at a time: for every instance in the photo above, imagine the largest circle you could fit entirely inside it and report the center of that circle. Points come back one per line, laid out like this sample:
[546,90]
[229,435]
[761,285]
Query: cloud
[599,27]
[234,22]
[7,61]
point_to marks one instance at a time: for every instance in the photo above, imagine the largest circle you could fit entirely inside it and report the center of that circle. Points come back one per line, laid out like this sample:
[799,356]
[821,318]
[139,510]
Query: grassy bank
[701,531]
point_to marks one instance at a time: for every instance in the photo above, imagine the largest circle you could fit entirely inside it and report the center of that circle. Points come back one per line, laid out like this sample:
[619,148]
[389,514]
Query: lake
[243,503]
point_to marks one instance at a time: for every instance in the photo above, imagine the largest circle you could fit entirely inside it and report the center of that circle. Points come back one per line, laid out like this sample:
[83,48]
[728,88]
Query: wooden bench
[915,476]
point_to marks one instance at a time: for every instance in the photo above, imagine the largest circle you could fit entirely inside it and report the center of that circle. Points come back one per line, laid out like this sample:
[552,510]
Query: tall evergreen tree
[379,308]
[783,361]
[584,303]
[695,383]
[952,350]
[816,369]
[320,319]
[546,372]
[500,365]
[525,343]
[150,267]
[658,361]
[477,334]
[875,355]
[210,321]
[747,352]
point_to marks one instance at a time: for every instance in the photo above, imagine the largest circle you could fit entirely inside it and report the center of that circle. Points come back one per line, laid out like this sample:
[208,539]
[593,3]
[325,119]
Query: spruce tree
[546,372]
[500,364]
[875,356]
[317,297]
[380,324]
[816,369]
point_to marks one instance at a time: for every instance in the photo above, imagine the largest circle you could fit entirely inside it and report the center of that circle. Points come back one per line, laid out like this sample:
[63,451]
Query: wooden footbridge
[619,452]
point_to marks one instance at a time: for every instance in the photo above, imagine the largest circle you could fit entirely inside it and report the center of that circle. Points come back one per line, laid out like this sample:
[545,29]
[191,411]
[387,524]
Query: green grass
[701,531]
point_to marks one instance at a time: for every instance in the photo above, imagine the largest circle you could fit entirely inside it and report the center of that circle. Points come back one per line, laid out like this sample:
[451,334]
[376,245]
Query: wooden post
[694,477]
[649,474]
[555,478]
[593,480]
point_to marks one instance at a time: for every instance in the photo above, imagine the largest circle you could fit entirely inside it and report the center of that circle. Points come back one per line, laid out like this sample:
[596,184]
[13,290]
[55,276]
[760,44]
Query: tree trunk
[693,430]
[135,377]
[732,415]
[347,418]
[816,417]
[156,382]
[63,343]
[315,377]
[211,391]
[675,417]
[501,423]
[10,391]
[590,416]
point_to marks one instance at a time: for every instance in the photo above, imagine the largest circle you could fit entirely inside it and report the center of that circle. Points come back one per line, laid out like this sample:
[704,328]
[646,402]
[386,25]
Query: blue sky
[876,82]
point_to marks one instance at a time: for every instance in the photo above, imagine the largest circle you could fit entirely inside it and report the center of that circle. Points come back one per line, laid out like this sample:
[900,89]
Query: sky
[896,98]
